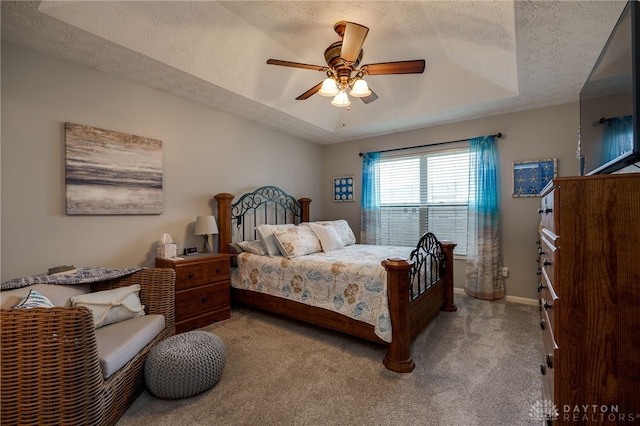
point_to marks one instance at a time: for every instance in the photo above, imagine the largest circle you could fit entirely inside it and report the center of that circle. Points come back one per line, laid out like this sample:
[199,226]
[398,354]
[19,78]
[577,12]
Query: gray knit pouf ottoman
[184,365]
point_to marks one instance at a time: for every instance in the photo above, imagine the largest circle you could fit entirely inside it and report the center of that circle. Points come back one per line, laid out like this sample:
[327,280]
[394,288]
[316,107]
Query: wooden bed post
[304,207]
[224,220]
[398,356]
[449,306]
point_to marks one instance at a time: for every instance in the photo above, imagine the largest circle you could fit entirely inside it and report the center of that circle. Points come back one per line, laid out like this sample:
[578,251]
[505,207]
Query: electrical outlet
[505,271]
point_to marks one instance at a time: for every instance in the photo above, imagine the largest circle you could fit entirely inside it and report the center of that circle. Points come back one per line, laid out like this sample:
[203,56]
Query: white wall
[530,135]
[205,152]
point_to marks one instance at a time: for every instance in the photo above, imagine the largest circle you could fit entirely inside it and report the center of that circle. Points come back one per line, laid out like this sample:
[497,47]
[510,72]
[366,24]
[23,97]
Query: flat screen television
[609,101]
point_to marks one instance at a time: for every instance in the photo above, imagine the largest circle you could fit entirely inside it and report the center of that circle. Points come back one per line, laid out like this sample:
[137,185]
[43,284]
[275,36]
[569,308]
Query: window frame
[425,208]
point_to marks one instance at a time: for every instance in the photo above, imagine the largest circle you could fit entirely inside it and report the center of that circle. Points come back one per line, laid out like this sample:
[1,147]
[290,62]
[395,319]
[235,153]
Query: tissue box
[167,251]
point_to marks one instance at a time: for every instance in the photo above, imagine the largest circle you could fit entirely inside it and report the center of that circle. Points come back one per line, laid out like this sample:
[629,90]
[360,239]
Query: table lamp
[206,225]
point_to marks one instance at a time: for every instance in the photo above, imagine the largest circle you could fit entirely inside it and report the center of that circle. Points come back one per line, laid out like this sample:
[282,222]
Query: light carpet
[476,366]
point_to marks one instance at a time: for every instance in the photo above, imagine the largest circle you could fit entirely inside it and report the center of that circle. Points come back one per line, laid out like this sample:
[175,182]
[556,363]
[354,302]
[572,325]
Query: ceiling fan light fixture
[329,88]
[341,100]
[360,89]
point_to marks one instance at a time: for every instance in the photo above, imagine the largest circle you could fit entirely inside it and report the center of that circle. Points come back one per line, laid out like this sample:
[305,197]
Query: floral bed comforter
[350,281]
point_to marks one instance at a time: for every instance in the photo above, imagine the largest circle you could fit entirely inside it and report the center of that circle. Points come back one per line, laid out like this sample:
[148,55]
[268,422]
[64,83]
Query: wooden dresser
[589,286]
[202,289]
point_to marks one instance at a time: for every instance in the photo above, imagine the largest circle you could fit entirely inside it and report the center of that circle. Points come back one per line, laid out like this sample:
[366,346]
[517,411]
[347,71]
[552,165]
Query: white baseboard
[514,299]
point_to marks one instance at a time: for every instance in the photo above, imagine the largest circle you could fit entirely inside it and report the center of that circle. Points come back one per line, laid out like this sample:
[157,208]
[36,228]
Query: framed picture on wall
[343,188]
[528,178]
[112,173]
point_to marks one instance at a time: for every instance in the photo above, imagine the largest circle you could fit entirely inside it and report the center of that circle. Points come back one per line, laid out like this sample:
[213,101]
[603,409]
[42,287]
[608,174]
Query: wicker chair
[50,369]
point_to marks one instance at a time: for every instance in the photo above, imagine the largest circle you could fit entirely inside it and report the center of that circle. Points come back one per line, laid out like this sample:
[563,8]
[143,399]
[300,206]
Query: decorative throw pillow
[328,236]
[253,247]
[297,241]
[265,234]
[34,300]
[342,227]
[112,305]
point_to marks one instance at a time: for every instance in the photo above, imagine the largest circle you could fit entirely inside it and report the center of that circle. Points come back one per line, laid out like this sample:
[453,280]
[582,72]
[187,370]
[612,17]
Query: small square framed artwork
[530,177]
[343,188]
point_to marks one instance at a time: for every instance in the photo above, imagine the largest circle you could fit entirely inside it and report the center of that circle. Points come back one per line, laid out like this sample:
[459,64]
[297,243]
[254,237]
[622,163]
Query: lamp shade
[329,88]
[341,100]
[360,89]
[206,225]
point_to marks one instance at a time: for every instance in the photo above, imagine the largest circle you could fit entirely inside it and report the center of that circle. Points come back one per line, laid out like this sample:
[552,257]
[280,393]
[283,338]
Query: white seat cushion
[118,343]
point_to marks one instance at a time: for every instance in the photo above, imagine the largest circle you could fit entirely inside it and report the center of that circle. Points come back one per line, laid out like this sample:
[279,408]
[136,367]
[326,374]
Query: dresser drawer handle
[540,252]
[547,306]
[546,263]
[540,287]
[542,324]
[218,270]
[539,271]
[549,360]
[191,275]
[204,299]
[540,211]
[547,211]
[543,369]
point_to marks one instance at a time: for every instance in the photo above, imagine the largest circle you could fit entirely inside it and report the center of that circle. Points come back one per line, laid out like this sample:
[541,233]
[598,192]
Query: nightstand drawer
[197,300]
[197,274]
[218,270]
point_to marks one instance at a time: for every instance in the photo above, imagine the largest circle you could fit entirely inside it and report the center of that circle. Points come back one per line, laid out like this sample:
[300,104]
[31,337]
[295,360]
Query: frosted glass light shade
[341,100]
[360,89]
[329,88]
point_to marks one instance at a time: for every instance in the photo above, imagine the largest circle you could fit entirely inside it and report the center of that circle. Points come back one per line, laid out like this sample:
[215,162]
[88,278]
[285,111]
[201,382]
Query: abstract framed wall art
[343,188]
[528,178]
[112,173]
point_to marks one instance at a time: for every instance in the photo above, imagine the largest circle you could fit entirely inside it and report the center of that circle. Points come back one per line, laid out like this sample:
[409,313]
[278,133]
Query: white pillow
[35,300]
[254,247]
[328,236]
[265,234]
[297,241]
[112,305]
[341,226]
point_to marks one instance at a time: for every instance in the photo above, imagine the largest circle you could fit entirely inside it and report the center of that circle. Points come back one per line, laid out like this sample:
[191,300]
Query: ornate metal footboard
[428,267]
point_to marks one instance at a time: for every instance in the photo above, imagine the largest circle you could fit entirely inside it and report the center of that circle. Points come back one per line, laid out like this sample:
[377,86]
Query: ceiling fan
[343,58]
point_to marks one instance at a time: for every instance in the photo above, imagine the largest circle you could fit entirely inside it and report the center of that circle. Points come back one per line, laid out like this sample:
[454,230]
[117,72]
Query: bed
[406,286]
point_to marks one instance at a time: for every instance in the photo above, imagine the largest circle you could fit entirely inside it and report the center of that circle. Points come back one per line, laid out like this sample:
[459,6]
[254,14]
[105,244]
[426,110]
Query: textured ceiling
[483,57]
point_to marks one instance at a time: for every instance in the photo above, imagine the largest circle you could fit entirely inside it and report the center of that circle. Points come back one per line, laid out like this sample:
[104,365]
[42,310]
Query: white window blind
[425,192]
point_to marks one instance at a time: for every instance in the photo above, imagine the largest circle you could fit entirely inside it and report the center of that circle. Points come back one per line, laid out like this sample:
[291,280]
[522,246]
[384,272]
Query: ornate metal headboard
[268,204]
[265,205]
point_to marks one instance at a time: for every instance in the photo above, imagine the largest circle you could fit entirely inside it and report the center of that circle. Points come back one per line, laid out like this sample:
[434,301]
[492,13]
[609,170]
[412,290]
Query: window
[422,192]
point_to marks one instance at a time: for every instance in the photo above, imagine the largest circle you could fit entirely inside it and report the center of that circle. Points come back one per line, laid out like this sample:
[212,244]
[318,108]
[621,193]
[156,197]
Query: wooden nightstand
[202,289]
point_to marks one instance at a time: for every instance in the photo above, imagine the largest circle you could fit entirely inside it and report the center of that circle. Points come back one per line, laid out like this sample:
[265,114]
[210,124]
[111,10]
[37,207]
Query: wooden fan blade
[309,92]
[354,35]
[296,65]
[368,99]
[400,67]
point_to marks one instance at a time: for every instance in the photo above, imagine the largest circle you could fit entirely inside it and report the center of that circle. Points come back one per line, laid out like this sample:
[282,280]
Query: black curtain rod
[497,135]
